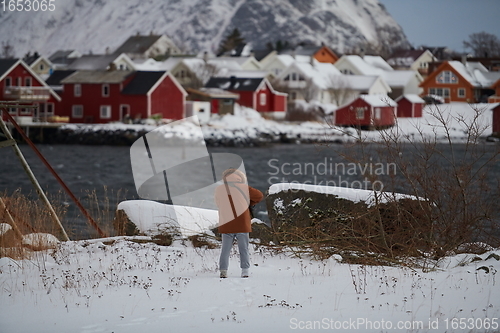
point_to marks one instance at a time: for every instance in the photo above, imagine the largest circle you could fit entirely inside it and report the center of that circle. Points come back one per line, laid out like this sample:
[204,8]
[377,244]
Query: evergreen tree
[231,41]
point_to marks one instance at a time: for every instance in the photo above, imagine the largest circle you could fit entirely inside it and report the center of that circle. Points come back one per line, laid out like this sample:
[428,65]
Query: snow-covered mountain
[198,25]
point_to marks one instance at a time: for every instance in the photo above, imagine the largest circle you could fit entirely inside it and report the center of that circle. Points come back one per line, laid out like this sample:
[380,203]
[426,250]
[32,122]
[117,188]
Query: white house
[402,82]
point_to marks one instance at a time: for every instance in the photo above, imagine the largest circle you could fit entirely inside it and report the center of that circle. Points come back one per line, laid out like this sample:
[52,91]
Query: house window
[27,81]
[347,72]
[461,92]
[293,95]
[77,111]
[122,67]
[263,99]
[424,64]
[360,113]
[77,90]
[105,90]
[13,111]
[8,82]
[446,77]
[105,111]
[378,113]
[41,67]
[443,92]
[49,108]
[19,82]
[25,111]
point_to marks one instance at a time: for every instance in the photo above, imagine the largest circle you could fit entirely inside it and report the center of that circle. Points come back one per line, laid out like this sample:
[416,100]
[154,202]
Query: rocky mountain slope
[199,25]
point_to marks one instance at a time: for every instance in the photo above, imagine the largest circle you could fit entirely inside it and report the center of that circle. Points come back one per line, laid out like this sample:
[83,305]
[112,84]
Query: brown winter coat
[240,197]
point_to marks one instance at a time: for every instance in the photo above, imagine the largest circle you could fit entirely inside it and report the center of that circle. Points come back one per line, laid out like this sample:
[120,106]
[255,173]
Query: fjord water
[106,171]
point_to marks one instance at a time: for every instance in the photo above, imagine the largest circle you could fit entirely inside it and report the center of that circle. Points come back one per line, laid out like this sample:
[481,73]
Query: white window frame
[447,77]
[378,113]
[263,98]
[105,90]
[28,82]
[25,111]
[19,81]
[8,81]
[461,93]
[442,92]
[105,111]
[77,90]
[360,113]
[77,111]
[48,108]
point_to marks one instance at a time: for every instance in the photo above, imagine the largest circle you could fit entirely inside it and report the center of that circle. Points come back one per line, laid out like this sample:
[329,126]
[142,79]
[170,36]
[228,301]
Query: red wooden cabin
[367,112]
[109,96]
[410,106]
[255,93]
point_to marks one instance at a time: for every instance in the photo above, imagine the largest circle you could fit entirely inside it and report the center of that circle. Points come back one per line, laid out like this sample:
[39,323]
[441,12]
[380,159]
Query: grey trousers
[227,243]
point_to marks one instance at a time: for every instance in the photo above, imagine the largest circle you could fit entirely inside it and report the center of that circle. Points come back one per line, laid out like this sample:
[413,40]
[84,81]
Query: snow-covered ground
[87,286]
[246,125]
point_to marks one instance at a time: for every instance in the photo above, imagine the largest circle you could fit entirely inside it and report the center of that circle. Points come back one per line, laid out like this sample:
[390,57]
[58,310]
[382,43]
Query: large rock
[347,218]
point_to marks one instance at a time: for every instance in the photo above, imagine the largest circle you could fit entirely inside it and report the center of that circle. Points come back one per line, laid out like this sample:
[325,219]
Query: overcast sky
[444,22]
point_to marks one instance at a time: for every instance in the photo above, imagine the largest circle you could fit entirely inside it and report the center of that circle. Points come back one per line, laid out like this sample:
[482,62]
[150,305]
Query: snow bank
[40,241]
[153,218]
[355,195]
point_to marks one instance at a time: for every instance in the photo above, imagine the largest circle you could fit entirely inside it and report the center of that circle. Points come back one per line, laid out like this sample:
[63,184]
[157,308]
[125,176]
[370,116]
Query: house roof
[411,97]
[57,76]
[142,82]
[234,83]
[92,62]
[320,73]
[378,100]
[404,58]
[355,82]
[213,93]
[97,77]
[377,62]
[6,64]
[475,73]
[137,44]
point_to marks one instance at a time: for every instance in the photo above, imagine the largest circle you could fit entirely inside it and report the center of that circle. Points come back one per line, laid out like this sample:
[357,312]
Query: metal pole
[54,173]
[32,177]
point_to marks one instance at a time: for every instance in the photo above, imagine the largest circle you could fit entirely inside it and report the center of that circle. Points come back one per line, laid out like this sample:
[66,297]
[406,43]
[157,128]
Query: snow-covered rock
[152,218]
[40,241]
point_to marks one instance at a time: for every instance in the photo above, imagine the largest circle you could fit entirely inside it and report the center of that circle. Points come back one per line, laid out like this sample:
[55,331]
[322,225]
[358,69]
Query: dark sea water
[106,172]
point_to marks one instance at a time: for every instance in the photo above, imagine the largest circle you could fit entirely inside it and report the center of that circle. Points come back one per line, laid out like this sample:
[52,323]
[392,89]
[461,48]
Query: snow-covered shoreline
[248,128]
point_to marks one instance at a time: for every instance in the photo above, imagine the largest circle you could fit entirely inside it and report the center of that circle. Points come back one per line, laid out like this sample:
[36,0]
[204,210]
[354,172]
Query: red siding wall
[246,98]
[496,120]
[346,116]
[409,109]
[168,100]
[91,98]
[267,106]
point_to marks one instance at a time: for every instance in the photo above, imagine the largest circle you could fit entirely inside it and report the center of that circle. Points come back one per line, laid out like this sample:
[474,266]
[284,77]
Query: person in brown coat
[233,199]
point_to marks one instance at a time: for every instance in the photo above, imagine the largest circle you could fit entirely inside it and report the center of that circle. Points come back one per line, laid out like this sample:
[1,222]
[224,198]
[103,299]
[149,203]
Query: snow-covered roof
[475,73]
[411,97]
[377,62]
[356,82]
[378,100]
[399,78]
[320,73]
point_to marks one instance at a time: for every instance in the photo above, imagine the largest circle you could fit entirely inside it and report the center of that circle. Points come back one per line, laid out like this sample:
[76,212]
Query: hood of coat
[235,177]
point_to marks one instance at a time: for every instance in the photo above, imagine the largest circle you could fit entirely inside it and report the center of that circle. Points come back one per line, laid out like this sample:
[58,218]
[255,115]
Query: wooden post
[11,220]
[33,179]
